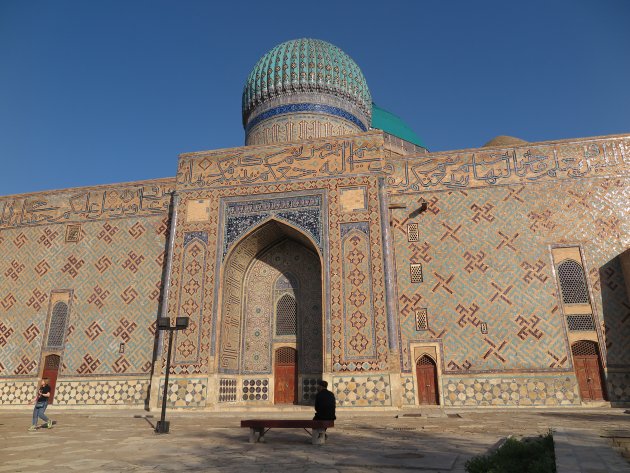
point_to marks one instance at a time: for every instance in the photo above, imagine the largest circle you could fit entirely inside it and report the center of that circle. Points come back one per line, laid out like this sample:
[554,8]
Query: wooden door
[588,370]
[285,374]
[51,370]
[589,379]
[426,374]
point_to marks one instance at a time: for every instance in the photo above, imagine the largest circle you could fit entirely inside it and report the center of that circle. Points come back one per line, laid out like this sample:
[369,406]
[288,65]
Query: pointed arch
[238,263]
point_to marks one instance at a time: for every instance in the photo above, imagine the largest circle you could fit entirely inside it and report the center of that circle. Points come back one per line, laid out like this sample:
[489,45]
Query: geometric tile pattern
[618,386]
[291,259]
[309,390]
[227,390]
[101,392]
[18,392]
[255,389]
[409,392]
[356,391]
[511,391]
[112,272]
[188,341]
[345,275]
[497,270]
[358,309]
[229,314]
[189,392]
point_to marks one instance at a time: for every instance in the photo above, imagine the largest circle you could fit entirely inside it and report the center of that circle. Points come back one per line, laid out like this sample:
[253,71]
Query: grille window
[422,320]
[57,325]
[286,356]
[425,360]
[52,362]
[412,232]
[286,316]
[580,323]
[415,270]
[572,283]
[584,348]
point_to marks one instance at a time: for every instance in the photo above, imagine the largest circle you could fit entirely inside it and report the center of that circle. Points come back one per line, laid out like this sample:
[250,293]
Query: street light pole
[164,323]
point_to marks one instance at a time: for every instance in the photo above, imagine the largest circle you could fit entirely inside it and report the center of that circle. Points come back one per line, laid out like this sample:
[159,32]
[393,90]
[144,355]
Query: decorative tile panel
[188,342]
[189,392]
[256,389]
[286,259]
[115,268]
[309,390]
[511,391]
[101,392]
[357,292]
[409,391]
[13,392]
[228,390]
[356,391]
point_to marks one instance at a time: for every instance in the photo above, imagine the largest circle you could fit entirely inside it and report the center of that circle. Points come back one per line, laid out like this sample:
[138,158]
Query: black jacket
[324,405]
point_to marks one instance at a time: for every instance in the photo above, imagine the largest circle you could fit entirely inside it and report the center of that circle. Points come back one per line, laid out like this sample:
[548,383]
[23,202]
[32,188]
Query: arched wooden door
[426,374]
[588,370]
[285,375]
[51,370]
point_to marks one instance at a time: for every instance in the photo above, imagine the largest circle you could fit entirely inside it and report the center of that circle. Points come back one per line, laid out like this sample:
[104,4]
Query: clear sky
[105,91]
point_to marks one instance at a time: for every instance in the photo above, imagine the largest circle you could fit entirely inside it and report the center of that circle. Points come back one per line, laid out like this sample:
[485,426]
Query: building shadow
[614,277]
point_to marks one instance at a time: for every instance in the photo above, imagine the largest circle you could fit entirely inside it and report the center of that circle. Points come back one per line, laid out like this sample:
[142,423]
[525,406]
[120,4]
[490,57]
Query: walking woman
[41,403]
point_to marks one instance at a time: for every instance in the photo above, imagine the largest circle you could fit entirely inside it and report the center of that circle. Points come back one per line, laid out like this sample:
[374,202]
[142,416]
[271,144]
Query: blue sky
[97,92]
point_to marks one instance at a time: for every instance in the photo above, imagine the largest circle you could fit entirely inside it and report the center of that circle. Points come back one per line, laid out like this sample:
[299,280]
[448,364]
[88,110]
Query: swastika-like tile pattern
[189,392]
[355,391]
[511,391]
[114,272]
[485,254]
[127,392]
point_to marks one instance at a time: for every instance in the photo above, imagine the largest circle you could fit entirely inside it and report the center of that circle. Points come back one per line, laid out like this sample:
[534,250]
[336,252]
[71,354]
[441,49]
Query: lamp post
[164,323]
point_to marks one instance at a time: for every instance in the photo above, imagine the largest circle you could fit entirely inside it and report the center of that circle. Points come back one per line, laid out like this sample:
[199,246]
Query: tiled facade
[471,273]
[111,273]
[371,259]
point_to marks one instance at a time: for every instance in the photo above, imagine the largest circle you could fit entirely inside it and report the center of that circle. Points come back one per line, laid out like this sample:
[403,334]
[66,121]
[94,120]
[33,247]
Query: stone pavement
[584,451]
[430,440]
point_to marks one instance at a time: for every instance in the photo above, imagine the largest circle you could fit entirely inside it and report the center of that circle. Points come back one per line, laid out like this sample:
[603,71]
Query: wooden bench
[259,427]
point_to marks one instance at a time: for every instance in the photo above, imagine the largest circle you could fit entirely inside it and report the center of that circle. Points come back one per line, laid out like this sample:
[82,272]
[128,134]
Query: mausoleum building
[332,245]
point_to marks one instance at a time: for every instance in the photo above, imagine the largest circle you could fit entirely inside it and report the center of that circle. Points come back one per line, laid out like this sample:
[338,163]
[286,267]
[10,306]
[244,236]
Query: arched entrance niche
[272,303]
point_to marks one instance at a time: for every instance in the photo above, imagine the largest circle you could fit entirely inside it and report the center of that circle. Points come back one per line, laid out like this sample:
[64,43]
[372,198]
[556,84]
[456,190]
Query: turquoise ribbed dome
[306,65]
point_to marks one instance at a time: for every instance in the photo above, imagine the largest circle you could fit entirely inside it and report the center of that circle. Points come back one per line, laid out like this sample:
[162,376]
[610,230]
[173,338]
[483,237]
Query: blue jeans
[39,412]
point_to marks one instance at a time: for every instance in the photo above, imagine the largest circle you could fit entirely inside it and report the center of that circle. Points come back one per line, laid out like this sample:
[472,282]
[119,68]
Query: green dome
[394,125]
[306,65]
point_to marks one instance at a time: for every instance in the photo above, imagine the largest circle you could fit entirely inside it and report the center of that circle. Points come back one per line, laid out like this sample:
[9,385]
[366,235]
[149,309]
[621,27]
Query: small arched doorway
[285,376]
[588,370]
[426,375]
[51,370]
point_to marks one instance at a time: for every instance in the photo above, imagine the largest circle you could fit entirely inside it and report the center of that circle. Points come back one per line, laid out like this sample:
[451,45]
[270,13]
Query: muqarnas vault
[333,245]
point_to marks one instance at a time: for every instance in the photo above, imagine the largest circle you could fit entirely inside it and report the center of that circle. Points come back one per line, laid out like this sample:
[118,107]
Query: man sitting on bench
[324,404]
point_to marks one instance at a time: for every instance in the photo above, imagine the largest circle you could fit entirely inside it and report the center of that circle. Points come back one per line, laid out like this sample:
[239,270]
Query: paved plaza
[431,440]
